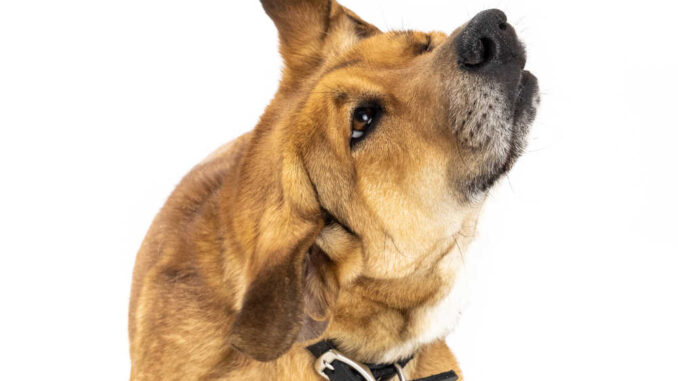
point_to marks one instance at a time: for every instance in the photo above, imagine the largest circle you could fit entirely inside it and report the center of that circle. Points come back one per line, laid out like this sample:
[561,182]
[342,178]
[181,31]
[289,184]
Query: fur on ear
[306,27]
[279,218]
[320,292]
[272,314]
[299,20]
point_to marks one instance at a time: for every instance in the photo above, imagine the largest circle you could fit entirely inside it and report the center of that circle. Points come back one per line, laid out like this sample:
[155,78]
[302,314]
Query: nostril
[483,51]
[488,43]
[489,49]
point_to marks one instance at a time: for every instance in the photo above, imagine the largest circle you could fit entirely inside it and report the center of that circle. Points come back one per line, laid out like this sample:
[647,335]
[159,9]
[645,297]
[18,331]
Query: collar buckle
[325,360]
[400,372]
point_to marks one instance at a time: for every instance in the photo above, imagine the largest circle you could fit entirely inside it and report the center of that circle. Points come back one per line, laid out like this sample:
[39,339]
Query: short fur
[290,234]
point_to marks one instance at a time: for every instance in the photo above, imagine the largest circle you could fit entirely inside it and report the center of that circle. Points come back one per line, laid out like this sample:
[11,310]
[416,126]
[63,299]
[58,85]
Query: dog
[344,216]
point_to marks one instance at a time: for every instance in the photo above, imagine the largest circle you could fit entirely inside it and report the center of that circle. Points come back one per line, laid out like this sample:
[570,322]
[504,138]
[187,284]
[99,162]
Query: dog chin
[494,132]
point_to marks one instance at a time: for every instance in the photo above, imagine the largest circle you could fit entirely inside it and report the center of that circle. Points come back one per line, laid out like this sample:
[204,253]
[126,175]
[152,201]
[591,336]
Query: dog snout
[488,44]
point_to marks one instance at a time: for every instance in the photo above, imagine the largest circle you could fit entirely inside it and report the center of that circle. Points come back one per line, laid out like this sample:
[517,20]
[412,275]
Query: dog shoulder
[178,270]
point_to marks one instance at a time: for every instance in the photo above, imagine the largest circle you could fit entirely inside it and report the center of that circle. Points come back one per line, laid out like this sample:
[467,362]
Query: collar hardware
[332,365]
[326,359]
[400,372]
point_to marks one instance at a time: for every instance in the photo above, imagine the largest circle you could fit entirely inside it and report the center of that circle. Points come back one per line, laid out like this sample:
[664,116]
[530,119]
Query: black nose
[489,44]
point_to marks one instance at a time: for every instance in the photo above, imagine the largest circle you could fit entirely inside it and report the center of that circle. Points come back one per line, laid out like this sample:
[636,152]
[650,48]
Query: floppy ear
[320,292]
[307,27]
[281,215]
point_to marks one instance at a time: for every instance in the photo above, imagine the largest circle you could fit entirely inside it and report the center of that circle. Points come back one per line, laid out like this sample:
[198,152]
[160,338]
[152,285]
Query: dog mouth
[496,113]
[527,96]
[524,112]
[497,134]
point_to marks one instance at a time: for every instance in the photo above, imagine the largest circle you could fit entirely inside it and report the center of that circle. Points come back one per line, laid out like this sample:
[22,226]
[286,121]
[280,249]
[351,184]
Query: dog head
[371,163]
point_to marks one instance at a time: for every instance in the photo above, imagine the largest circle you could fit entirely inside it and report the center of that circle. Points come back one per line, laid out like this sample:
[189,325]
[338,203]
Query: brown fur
[287,235]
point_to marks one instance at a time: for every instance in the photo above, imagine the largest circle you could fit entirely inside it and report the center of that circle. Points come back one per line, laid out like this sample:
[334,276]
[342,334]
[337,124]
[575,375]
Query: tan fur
[243,266]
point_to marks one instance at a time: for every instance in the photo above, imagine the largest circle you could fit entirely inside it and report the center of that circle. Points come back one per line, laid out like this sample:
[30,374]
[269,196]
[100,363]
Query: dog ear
[306,28]
[280,219]
[320,292]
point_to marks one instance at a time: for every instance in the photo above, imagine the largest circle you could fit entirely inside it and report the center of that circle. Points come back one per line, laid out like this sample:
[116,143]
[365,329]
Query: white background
[104,105]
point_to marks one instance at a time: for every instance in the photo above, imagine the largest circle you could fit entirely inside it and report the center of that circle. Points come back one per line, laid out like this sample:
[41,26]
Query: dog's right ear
[276,221]
[307,27]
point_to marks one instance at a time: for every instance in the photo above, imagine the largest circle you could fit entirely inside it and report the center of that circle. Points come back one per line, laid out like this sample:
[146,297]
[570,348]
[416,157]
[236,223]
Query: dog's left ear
[308,29]
[279,219]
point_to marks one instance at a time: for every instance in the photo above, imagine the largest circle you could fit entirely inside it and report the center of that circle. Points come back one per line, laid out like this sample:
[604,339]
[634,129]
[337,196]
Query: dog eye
[364,119]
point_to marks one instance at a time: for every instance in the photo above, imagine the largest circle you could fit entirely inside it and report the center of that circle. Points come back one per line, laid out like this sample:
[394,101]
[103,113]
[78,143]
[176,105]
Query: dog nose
[489,44]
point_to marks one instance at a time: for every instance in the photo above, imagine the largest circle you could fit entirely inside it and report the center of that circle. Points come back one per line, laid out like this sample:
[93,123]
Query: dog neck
[383,321]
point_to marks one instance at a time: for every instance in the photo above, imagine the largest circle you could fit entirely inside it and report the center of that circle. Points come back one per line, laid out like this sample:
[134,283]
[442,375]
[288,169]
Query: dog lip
[527,90]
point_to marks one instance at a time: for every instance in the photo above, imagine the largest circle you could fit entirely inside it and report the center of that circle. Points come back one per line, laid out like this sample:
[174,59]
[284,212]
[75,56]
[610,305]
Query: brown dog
[345,214]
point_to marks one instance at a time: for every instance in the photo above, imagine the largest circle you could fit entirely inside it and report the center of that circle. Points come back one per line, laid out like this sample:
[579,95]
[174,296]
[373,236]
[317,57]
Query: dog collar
[332,365]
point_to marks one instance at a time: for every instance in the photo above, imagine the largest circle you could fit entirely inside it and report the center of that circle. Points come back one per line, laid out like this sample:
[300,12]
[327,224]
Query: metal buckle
[399,372]
[325,362]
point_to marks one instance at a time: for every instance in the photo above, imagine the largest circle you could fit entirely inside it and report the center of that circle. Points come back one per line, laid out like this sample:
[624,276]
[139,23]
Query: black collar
[334,366]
